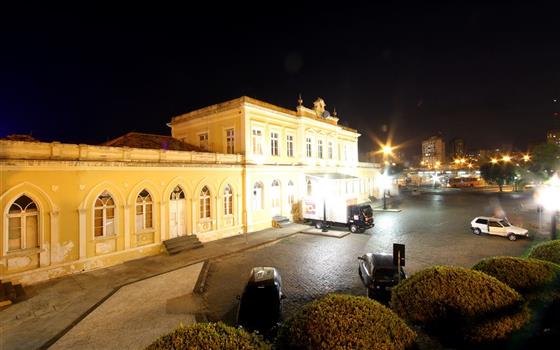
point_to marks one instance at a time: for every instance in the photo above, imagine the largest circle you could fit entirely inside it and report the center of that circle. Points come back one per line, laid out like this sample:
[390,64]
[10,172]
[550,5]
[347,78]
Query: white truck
[338,212]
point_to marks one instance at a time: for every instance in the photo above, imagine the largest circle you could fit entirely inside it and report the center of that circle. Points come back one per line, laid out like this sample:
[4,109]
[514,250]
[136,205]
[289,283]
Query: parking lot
[434,226]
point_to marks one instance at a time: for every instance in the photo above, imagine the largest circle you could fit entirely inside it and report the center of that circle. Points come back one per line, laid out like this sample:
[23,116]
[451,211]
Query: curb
[202,284]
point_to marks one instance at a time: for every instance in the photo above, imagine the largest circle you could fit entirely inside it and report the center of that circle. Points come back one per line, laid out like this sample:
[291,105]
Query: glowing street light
[387,150]
[506,158]
[526,157]
[547,196]
[385,182]
[493,161]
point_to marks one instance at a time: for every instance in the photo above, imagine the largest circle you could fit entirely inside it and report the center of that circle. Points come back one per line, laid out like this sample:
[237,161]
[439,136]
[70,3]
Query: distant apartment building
[456,149]
[553,137]
[433,151]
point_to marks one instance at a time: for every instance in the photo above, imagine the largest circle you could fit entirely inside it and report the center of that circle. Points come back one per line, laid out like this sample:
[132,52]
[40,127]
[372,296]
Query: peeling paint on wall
[18,262]
[61,251]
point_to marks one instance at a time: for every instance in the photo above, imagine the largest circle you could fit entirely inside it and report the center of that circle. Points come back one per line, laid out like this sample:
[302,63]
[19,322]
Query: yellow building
[70,208]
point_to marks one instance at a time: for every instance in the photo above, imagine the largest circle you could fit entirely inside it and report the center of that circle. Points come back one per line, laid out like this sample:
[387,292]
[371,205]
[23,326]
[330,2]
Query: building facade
[70,208]
[456,149]
[433,152]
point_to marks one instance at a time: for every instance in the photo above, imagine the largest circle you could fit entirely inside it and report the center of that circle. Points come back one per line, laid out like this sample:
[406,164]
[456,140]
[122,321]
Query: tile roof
[150,141]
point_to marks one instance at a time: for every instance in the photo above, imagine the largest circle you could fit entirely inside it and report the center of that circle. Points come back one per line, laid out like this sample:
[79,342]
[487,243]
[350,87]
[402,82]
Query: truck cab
[360,217]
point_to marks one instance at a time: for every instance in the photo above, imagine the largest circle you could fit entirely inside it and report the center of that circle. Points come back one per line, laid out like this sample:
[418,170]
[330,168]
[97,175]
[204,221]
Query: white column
[239,207]
[46,258]
[162,221]
[217,213]
[126,216]
[193,216]
[83,241]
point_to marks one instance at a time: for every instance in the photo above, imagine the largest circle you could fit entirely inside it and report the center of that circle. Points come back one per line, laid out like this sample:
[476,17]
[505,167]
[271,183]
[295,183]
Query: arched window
[204,203]
[228,200]
[290,191]
[144,218]
[23,224]
[104,218]
[258,195]
[177,194]
[309,187]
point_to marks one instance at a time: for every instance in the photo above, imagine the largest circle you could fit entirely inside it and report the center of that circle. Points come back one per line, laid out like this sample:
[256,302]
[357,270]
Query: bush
[209,336]
[456,302]
[549,251]
[524,275]
[345,322]
[497,329]
[441,292]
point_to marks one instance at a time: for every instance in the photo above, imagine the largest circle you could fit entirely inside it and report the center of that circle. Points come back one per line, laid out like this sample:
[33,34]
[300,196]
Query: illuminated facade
[553,137]
[69,208]
[433,152]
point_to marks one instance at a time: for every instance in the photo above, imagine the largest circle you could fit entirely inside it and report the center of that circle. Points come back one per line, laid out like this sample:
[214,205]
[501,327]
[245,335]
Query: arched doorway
[275,206]
[177,208]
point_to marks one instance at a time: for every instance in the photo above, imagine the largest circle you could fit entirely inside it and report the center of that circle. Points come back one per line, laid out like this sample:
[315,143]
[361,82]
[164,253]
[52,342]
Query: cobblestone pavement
[435,227]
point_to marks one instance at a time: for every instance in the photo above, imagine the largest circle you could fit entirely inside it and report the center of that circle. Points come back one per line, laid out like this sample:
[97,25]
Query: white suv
[496,226]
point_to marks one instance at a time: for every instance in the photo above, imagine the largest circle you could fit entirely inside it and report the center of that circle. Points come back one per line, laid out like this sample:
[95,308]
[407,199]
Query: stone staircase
[10,293]
[280,221]
[178,244]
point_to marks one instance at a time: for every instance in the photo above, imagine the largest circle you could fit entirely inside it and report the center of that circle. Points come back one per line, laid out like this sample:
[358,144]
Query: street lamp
[548,196]
[385,182]
[506,158]
[324,193]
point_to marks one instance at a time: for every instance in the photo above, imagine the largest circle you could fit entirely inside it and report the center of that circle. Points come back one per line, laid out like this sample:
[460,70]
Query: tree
[501,174]
[545,160]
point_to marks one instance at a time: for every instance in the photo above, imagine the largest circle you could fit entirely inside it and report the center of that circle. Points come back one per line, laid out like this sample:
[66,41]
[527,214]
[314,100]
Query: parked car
[497,226]
[378,274]
[260,305]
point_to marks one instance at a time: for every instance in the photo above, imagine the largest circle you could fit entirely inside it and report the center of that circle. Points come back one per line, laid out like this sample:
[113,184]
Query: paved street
[434,227]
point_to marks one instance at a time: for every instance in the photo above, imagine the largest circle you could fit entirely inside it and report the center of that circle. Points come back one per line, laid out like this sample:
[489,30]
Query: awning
[332,176]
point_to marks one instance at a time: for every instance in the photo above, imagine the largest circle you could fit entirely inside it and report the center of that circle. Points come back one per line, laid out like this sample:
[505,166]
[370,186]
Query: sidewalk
[55,306]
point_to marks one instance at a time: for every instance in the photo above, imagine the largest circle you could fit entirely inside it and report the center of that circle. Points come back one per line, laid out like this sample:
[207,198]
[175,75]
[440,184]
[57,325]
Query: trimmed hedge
[524,275]
[549,251]
[497,329]
[441,292]
[201,336]
[345,322]
[458,303]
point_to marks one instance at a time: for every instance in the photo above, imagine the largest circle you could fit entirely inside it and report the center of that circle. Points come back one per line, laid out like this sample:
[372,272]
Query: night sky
[85,73]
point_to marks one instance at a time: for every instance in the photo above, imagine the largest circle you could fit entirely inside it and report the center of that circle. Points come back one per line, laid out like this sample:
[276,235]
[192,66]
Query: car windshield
[259,308]
[505,223]
[367,211]
[386,274]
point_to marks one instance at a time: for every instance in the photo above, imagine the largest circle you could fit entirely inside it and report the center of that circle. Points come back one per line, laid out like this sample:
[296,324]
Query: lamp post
[324,225]
[385,181]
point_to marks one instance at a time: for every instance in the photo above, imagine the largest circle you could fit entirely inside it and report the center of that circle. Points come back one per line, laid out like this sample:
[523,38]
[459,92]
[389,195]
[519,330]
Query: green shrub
[524,275]
[549,251]
[209,336]
[497,329]
[440,293]
[345,322]
[460,304]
